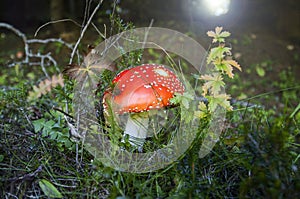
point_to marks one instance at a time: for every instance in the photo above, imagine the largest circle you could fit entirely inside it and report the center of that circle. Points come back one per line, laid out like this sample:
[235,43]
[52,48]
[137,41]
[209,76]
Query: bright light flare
[217,7]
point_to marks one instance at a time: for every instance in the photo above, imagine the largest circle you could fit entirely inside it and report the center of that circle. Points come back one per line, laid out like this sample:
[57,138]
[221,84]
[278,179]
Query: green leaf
[218,53]
[186,100]
[3,78]
[30,75]
[49,189]
[38,124]
[231,141]
[221,100]
[202,112]
[260,71]
[183,99]
[295,111]
[49,125]
[213,54]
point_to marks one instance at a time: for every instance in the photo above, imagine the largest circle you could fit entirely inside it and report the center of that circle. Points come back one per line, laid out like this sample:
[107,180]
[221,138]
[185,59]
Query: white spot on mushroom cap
[161,72]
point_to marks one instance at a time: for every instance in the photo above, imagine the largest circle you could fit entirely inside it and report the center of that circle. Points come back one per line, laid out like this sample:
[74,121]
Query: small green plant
[49,189]
[54,129]
[220,58]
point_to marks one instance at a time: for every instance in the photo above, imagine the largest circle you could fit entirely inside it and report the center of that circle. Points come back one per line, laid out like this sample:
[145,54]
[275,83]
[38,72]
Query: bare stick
[45,41]
[83,30]
[52,22]
[45,59]
[20,34]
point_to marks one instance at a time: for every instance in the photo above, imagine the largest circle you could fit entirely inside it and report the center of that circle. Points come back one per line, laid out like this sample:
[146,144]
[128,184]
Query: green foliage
[184,101]
[54,130]
[213,85]
[49,189]
[260,71]
[287,82]
[272,153]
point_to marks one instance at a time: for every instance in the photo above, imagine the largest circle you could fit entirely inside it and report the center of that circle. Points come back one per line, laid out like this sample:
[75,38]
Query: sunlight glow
[217,7]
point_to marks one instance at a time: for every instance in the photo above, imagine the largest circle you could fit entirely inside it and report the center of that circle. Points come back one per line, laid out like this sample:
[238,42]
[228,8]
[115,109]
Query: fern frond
[45,86]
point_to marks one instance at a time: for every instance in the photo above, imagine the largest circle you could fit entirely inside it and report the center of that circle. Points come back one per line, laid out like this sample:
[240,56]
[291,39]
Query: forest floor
[256,157]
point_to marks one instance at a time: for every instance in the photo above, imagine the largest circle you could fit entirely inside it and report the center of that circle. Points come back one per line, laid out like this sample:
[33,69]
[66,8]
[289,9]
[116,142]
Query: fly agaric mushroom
[137,91]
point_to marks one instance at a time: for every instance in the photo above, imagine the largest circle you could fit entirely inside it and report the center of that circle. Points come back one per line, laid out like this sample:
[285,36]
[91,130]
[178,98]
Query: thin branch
[45,59]
[112,18]
[28,176]
[53,22]
[54,40]
[20,34]
[83,30]
[98,31]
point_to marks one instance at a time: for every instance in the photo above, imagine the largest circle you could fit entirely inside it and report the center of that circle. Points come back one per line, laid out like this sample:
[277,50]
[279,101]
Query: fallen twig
[83,30]
[44,59]
[28,176]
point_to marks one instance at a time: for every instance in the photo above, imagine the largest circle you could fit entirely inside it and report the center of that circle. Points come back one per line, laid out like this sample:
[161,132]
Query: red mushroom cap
[142,88]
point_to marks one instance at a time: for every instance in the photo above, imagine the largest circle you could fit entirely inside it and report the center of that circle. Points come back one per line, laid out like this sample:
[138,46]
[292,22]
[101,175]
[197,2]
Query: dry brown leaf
[46,86]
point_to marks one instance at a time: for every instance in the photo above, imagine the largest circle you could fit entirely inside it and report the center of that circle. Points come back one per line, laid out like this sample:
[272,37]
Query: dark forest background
[280,16]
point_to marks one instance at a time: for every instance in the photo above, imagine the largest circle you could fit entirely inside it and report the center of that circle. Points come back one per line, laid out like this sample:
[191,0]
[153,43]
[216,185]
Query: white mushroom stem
[136,128]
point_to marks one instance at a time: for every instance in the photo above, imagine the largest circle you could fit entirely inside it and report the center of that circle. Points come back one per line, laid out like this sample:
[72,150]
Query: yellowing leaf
[46,86]
[224,34]
[218,30]
[226,66]
[211,34]
[218,35]
[214,83]
[233,63]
